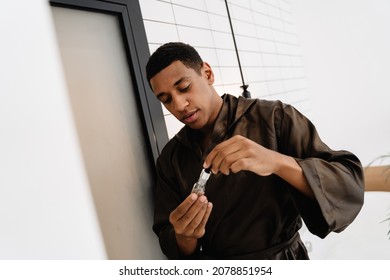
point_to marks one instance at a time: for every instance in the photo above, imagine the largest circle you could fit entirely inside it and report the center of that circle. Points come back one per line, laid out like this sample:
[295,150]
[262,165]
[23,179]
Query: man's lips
[190,117]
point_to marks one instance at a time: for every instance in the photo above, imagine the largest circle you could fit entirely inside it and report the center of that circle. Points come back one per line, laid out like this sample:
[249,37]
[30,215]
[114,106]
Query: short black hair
[170,52]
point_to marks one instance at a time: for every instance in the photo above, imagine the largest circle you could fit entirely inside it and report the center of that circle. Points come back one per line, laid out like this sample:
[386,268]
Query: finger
[183,208]
[245,158]
[197,223]
[221,152]
[210,157]
[181,225]
[241,164]
[262,168]
[200,230]
[234,162]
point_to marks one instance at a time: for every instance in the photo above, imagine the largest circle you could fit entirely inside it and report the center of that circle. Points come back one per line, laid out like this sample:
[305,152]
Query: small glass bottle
[200,187]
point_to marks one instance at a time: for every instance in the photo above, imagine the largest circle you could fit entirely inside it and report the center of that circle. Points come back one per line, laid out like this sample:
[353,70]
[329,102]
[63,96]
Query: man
[269,169]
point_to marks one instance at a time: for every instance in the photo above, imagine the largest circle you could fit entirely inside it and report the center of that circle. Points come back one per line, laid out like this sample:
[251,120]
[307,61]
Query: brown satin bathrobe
[257,217]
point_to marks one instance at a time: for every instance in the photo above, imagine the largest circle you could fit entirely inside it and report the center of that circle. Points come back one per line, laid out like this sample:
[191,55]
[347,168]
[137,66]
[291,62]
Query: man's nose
[181,102]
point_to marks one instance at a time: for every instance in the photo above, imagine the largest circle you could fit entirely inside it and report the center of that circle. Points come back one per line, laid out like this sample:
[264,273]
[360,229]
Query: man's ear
[208,73]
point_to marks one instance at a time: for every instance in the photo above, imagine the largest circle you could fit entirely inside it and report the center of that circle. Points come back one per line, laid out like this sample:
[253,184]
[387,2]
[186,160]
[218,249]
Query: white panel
[223,41]
[267,46]
[191,17]
[199,4]
[160,32]
[273,73]
[216,6]
[227,58]
[46,207]
[220,23]
[157,11]
[244,27]
[210,54]
[173,125]
[196,37]
[250,59]
[255,74]
[231,75]
[110,130]
[259,90]
[218,77]
[239,11]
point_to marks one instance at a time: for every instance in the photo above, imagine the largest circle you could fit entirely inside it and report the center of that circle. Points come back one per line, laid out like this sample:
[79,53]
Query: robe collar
[231,112]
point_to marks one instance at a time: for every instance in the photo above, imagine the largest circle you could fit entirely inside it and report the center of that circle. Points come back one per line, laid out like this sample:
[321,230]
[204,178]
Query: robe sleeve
[336,177]
[167,198]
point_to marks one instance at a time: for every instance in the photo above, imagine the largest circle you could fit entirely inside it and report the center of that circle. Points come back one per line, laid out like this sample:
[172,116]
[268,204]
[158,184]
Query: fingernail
[193,196]
[202,198]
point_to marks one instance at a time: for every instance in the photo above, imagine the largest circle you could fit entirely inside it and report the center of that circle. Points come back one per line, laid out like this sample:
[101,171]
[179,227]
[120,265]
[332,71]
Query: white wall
[46,209]
[345,47]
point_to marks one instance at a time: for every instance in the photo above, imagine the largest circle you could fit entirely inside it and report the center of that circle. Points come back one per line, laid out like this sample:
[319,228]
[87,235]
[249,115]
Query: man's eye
[186,88]
[166,100]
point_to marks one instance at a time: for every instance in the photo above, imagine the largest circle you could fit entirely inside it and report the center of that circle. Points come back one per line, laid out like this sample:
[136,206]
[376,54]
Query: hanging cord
[244,86]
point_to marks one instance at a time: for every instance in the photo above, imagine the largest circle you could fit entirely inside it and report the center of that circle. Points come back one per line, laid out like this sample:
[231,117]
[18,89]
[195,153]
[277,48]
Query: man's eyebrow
[179,81]
[160,95]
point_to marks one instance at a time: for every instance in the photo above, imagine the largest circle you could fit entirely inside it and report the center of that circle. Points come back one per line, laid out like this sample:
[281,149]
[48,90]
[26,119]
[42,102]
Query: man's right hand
[189,221]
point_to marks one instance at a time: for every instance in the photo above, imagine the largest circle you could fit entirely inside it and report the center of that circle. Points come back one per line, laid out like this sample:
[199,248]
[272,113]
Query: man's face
[187,95]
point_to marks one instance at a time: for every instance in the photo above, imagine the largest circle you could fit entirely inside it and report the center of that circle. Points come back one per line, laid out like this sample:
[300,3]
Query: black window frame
[137,51]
